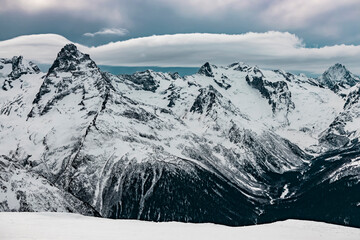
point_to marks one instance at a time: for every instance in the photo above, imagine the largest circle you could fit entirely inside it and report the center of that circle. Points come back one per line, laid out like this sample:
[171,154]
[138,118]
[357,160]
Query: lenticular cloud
[268,50]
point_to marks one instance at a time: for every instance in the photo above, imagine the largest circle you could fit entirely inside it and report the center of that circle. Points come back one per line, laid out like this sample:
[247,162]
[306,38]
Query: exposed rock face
[345,128]
[18,82]
[338,77]
[242,67]
[206,70]
[277,93]
[288,76]
[156,146]
[145,80]
[223,83]
[205,101]
[69,59]
[18,69]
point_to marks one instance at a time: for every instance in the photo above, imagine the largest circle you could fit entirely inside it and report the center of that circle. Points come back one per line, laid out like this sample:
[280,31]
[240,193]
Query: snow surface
[72,226]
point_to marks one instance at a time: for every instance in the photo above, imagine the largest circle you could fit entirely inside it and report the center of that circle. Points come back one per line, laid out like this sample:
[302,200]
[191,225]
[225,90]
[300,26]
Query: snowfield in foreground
[53,226]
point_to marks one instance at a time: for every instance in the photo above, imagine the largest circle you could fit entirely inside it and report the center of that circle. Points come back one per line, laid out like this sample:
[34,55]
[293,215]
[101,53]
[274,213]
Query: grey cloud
[320,22]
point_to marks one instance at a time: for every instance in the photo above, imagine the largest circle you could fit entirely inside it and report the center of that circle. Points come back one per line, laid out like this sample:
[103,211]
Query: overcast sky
[321,29]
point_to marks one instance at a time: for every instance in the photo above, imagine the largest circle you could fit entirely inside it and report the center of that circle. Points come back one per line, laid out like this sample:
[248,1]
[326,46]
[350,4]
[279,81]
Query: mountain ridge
[225,145]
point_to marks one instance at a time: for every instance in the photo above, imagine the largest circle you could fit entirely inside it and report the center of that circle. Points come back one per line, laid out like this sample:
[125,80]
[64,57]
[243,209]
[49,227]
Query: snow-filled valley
[234,145]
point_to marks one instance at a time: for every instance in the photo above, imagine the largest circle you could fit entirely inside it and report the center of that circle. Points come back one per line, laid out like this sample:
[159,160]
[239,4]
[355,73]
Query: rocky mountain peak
[175,75]
[13,69]
[206,70]
[337,77]
[144,80]
[70,59]
[20,67]
[74,74]
[239,66]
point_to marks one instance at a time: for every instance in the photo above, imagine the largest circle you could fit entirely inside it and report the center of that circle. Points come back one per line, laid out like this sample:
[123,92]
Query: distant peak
[206,70]
[239,66]
[21,67]
[337,70]
[236,64]
[338,76]
[339,65]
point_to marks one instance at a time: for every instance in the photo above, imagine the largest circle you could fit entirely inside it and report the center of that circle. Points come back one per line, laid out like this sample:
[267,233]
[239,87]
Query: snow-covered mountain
[338,78]
[233,145]
[345,127]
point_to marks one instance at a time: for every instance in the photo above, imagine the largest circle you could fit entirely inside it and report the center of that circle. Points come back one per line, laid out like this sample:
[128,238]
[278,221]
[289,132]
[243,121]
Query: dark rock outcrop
[277,93]
[206,70]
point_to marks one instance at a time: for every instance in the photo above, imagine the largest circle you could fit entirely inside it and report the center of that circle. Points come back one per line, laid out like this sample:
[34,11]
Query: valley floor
[54,226]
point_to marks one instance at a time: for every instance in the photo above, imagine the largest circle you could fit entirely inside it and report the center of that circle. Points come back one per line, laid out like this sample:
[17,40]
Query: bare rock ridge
[235,145]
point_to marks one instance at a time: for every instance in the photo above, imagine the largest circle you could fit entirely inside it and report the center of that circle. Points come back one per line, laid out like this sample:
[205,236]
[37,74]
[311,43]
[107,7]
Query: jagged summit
[72,75]
[19,67]
[206,70]
[13,69]
[239,66]
[71,59]
[337,77]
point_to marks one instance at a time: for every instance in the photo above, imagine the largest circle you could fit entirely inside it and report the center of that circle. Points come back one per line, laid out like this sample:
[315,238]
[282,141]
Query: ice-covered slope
[215,146]
[14,226]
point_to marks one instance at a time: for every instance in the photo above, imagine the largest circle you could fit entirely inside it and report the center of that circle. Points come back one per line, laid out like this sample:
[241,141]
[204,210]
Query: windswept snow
[71,226]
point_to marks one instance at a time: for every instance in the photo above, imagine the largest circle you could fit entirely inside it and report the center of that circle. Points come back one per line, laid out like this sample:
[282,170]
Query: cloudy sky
[289,34]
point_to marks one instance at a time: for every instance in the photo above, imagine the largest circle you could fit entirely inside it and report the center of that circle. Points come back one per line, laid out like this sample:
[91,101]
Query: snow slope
[15,226]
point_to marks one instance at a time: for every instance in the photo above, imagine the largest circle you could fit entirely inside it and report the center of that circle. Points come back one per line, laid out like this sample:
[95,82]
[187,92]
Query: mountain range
[236,144]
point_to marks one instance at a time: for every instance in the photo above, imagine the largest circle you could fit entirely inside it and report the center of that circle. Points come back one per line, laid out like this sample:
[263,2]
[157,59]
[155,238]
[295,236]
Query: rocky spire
[337,77]
[206,70]
[70,59]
